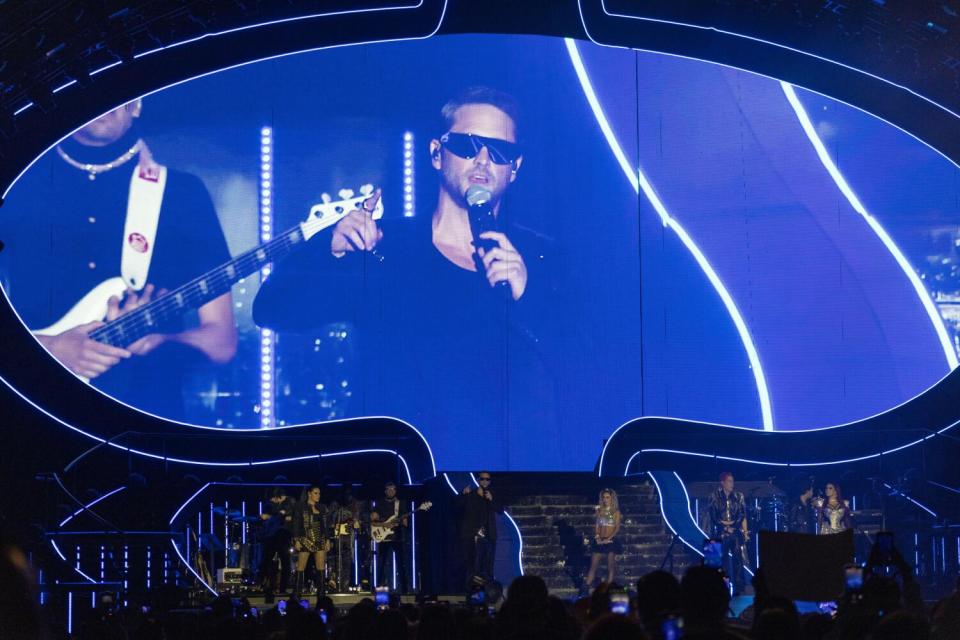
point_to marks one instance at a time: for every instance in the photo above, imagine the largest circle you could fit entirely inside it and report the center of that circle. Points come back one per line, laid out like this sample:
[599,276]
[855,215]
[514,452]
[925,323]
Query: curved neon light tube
[815,56]
[792,464]
[208,463]
[87,506]
[666,520]
[252,26]
[639,182]
[928,305]
[72,565]
[176,549]
[443,13]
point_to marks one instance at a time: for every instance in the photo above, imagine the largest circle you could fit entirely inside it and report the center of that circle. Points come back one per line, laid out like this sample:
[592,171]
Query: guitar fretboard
[157,314]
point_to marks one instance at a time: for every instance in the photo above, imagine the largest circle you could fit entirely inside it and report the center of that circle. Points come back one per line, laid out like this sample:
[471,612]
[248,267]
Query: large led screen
[514,243]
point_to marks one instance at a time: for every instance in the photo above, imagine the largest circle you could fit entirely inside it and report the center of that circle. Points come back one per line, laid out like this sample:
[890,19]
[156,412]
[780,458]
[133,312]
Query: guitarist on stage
[390,513]
[64,225]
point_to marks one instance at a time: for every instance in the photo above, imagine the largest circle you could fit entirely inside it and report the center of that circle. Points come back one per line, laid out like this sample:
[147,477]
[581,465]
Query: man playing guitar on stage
[388,519]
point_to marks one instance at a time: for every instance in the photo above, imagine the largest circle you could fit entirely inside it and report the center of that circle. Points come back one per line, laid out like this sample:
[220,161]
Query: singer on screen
[450,306]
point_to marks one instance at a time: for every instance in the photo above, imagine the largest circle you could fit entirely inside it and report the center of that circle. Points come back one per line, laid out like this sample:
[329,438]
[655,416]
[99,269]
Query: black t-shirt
[64,235]
[439,347]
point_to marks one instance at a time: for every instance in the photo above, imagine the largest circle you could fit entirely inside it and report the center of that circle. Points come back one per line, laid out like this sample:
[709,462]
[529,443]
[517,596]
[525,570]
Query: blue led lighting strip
[409,186]
[924,296]
[268,358]
[639,182]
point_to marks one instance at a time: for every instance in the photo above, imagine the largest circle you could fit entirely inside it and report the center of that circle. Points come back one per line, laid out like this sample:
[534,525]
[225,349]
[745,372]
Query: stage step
[555,527]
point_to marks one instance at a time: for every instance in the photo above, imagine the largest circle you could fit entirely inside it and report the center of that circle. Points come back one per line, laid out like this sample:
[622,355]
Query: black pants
[386,550]
[478,556]
[279,544]
[732,550]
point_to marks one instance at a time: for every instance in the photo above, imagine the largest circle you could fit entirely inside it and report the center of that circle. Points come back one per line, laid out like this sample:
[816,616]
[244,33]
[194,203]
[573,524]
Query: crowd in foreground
[662,608]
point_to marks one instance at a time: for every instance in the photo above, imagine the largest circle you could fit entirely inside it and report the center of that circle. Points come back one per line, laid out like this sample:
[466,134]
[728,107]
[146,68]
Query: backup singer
[310,539]
[390,514]
[834,514]
[605,541]
[728,523]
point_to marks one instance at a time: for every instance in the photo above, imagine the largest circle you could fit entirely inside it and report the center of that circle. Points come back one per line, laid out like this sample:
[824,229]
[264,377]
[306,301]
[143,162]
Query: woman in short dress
[310,538]
[833,516]
[605,541]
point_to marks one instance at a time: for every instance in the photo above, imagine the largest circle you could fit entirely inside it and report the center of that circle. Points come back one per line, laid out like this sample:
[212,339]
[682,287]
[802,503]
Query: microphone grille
[477,195]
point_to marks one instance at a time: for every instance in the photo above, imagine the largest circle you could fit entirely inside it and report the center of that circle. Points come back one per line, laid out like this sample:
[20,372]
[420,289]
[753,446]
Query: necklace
[95,169]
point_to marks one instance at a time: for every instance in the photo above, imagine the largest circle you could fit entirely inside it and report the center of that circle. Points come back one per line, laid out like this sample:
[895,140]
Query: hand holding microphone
[502,264]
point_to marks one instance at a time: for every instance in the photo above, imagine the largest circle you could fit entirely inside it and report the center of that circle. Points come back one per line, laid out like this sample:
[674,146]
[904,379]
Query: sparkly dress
[834,518]
[312,529]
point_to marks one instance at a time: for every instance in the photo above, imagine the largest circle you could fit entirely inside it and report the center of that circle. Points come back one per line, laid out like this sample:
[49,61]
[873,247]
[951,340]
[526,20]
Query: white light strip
[928,305]
[903,495]
[268,359]
[639,182]
[176,550]
[413,545]
[409,190]
[90,504]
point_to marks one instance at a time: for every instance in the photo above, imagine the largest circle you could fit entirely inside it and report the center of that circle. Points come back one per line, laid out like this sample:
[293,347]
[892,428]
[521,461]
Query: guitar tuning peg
[345,194]
[325,198]
[366,189]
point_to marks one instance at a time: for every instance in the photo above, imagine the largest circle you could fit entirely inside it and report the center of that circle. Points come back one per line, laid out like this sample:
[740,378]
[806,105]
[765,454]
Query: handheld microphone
[482,219]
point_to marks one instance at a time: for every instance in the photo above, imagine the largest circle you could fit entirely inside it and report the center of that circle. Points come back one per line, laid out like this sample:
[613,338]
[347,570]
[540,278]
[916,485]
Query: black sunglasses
[483,479]
[467,146]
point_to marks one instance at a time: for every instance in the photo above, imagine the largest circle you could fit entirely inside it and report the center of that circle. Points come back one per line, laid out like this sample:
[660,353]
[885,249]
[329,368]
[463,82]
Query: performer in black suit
[277,538]
[478,530]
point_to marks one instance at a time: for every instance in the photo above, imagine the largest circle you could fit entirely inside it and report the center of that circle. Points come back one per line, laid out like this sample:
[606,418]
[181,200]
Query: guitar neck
[160,313]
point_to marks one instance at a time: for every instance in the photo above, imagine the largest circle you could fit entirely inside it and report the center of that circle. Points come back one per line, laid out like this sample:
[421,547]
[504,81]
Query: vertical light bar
[126,573]
[409,203]
[188,545]
[374,565]
[268,418]
[70,612]
[226,535]
[413,547]
[43,593]
[916,554]
[243,530]
[103,563]
[149,565]
[393,561]
[166,567]
[356,558]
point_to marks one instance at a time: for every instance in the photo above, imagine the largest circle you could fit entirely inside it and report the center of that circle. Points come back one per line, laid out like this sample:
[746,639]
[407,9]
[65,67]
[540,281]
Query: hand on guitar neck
[216,336]
[91,337]
[89,358]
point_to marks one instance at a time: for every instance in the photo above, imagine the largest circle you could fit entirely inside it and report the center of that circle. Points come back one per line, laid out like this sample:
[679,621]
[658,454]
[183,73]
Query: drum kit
[244,546]
[768,508]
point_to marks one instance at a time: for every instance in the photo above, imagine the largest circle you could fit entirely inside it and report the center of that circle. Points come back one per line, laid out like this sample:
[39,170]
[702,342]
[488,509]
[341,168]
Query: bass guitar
[153,316]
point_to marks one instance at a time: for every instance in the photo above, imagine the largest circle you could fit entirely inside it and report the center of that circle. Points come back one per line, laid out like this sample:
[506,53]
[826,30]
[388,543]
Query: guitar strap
[147,185]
